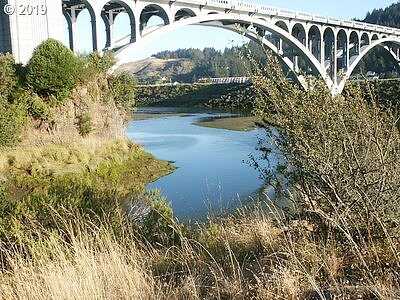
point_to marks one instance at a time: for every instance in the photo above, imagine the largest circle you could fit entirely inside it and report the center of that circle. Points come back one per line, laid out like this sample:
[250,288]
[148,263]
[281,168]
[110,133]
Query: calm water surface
[212,174]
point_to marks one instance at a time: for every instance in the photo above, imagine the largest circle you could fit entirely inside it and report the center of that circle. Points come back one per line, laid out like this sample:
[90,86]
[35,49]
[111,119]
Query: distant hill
[389,16]
[379,60]
[189,65]
[157,70]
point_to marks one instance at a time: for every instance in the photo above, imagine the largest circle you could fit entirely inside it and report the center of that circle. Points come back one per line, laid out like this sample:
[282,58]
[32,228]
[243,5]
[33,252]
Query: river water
[213,173]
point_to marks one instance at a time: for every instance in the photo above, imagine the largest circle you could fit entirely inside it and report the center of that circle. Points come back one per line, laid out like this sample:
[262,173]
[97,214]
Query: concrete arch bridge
[306,43]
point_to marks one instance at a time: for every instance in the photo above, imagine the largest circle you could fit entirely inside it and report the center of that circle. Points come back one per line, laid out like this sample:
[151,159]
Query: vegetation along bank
[76,223]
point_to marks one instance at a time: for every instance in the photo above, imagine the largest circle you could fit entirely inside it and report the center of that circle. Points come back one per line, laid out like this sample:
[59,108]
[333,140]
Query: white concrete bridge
[305,43]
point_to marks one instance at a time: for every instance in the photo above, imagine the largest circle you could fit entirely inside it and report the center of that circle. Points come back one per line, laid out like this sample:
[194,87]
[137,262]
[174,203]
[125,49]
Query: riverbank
[233,97]
[63,144]
[220,120]
[237,123]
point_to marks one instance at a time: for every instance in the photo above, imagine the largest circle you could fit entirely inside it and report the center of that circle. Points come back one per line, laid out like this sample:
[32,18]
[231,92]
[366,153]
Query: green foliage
[123,90]
[209,62]
[8,75]
[159,225]
[12,119]
[53,70]
[36,106]
[225,96]
[389,16]
[95,65]
[44,184]
[101,63]
[342,152]
[84,124]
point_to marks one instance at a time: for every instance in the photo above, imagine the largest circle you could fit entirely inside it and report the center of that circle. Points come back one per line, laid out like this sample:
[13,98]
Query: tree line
[209,62]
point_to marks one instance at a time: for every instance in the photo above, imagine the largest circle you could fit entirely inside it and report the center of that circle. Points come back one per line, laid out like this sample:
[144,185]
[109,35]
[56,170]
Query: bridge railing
[286,13]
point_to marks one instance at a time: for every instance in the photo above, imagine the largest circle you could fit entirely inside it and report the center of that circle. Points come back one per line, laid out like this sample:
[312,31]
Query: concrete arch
[184,13]
[364,52]
[263,40]
[68,19]
[329,42]
[152,10]
[94,21]
[364,39]
[108,17]
[354,46]
[342,49]
[314,41]
[299,32]
[237,19]
[283,25]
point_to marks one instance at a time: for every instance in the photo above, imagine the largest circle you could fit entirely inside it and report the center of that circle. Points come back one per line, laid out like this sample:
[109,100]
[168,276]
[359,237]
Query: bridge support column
[108,18]
[323,52]
[138,34]
[96,19]
[347,53]
[73,31]
[335,61]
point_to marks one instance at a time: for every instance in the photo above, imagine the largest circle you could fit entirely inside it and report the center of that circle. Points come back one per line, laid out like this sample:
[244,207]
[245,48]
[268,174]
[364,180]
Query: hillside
[389,16]
[156,70]
[189,65]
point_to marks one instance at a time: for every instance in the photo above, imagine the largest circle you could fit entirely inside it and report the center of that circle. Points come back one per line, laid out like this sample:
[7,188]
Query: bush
[35,106]
[342,152]
[85,124]
[8,75]
[53,70]
[159,225]
[12,119]
[96,64]
[123,89]
[101,63]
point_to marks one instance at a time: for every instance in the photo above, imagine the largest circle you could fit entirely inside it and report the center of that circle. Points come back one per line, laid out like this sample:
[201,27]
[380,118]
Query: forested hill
[210,62]
[389,16]
[189,65]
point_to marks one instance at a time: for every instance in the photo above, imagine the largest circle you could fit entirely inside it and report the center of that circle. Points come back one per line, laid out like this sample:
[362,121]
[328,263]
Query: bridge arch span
[365,39]
[282,24]
[254,36]
[71,14]
[234,19]
[367,49]
[153,10]
[354,44]
[184,13]
[109,12]
[299,32]
[314,35]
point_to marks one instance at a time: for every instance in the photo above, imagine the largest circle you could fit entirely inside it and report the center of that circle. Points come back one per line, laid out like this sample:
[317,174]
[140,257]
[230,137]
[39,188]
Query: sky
[201,37]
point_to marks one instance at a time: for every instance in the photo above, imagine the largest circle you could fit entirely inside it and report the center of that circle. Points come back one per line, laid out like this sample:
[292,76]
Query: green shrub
[53,70]
[95,64]
[159,225]
[12,119]
[101,63]
[123,89]
[343,153]
[8,76]
[85,124]
[36,106]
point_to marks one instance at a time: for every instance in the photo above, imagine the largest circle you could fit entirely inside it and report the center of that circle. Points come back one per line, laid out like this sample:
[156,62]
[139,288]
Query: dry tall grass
[253,255]
[342,242]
